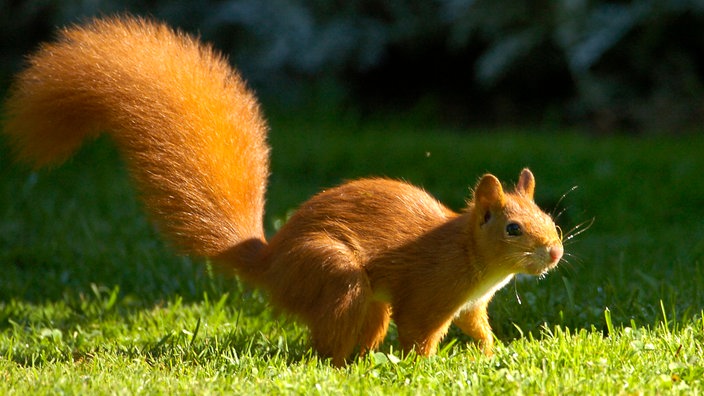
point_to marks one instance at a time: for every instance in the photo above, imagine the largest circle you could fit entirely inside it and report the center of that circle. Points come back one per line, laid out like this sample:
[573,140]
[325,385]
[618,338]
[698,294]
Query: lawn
[92,301]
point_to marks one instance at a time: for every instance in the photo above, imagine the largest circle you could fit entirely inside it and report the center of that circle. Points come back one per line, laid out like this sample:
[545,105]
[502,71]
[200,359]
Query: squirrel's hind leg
[320,280]
[376,323]
[335,300]
[335,330]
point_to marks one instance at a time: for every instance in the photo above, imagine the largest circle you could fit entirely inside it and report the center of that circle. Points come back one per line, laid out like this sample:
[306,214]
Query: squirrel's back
[189,129]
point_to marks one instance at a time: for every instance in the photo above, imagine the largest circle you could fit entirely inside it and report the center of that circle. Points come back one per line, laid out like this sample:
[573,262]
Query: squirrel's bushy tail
[190,131]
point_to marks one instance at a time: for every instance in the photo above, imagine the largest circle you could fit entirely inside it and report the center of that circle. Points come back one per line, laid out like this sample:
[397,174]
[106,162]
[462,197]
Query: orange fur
[350,259]
[191,133]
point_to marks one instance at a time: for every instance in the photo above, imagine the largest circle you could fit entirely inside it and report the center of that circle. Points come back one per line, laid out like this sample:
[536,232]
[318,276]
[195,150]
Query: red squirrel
[351,258]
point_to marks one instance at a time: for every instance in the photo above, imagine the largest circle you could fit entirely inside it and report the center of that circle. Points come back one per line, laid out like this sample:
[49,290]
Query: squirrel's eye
[514,229]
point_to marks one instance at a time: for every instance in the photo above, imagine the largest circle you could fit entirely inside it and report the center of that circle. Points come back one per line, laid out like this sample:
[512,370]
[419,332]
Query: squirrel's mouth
[544,259]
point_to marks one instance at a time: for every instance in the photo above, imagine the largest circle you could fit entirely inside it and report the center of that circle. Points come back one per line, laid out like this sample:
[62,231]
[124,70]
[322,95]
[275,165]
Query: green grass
[91,299]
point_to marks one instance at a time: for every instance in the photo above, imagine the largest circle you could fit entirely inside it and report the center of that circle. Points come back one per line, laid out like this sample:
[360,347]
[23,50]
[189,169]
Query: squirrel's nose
[556,252]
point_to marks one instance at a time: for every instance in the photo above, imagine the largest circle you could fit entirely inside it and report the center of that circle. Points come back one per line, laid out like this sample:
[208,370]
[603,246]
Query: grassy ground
[92,301]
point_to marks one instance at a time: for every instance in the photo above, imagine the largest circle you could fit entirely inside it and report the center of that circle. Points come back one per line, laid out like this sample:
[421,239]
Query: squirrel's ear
[526,183]
[489,192]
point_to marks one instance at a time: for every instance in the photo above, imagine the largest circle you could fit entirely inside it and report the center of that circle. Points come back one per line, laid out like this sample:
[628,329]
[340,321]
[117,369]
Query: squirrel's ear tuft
[489,193]
[526,183]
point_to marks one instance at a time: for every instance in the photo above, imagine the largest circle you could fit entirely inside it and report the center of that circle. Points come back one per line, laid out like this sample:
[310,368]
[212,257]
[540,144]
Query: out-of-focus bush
[636,65]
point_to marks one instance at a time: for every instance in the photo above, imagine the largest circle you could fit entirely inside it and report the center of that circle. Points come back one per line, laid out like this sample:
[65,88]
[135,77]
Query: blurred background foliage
[608,66]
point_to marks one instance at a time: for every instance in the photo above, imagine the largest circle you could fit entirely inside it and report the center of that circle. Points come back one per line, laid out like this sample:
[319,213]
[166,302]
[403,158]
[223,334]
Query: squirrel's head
[511,231]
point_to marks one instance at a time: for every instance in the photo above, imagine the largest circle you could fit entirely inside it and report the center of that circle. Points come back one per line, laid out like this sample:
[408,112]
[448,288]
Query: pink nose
[556,252]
